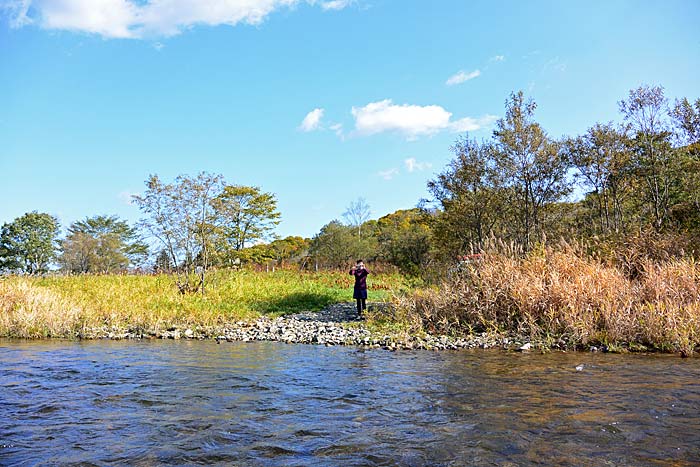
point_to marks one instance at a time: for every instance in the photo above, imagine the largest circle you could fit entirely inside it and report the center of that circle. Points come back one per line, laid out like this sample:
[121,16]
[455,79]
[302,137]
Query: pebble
[338,324]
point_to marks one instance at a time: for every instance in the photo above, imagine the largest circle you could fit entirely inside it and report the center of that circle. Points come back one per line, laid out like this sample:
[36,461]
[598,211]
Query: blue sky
[319,102]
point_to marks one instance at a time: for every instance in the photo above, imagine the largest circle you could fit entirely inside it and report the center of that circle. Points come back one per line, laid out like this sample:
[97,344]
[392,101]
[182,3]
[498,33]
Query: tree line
[616,179]
[194,221]
[637,176]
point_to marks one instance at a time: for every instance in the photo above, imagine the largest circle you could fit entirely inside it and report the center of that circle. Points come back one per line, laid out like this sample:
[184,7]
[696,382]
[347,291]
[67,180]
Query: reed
[567,295]
[27,310]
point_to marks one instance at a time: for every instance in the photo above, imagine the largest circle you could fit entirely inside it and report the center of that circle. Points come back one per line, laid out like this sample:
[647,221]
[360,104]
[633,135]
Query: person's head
[360,263]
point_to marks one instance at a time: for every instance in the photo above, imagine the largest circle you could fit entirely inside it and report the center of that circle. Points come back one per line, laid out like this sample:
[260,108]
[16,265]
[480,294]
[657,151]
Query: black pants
[361,305]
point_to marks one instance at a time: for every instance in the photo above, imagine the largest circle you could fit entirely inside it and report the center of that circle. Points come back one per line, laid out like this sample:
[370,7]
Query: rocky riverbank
[338,324]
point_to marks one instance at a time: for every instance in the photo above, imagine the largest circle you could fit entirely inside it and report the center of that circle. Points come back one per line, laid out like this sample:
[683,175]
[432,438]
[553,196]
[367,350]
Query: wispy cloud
[17,11]
[412,165]
[337,128]
[335,4]
[412,121]
[312,121]
[146,18]
[555,64]
[497,58]
[462,76]
[473,124]
[389,173]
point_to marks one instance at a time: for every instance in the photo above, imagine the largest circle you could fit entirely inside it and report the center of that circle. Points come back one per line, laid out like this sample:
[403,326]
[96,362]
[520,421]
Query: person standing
[360,292]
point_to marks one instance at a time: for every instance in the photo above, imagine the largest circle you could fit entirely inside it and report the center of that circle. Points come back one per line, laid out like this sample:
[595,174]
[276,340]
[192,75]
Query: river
[270,404]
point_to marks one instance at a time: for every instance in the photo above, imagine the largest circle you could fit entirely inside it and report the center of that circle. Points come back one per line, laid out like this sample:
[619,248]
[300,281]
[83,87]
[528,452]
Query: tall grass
[551,295]
[27,310]
[66,306]
[563,293]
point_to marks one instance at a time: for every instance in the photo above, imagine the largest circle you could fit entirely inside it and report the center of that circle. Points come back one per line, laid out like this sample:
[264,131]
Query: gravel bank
[338,324]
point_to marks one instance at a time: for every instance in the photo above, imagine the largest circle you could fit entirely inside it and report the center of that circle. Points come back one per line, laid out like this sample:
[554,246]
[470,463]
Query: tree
[101,244]
[686,119]
[405,239]
[244,215]
[472,197]
[277,252]
[334,245]
[28,244]
[261,253]
[602,159]
[179,216]
[645,110]
[162,262]
[289,248]
[356,214]
[530,163]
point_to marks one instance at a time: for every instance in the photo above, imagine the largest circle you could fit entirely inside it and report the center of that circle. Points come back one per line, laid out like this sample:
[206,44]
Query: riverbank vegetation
[69,306]
[564,297]
[582,240]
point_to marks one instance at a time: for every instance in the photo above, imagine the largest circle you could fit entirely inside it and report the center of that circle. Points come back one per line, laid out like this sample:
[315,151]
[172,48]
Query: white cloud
[18,12]
[389,173]
[147,18]
[413,165]
[472,124]
[312,121]
[411,120]
[109,18]
[461,77]
[335,4]
[497,58]
[337,128]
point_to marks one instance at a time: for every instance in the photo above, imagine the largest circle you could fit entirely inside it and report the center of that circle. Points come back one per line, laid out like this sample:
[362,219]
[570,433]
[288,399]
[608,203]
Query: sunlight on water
[156,402]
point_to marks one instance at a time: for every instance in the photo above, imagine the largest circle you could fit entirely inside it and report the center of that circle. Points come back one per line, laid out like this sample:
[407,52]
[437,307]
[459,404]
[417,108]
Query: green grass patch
[62,305]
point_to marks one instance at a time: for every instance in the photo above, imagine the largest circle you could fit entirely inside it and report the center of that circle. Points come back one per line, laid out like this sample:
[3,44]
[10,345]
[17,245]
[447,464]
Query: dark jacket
[360,278]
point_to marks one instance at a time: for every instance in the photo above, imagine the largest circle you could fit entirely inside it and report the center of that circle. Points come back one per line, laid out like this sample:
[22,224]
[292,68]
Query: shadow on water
[296,303]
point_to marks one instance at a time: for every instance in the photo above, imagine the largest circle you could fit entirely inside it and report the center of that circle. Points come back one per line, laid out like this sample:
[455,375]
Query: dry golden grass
[30,311]
[564,294]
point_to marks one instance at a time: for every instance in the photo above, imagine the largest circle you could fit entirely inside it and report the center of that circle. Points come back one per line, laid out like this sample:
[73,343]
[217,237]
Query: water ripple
[270,404]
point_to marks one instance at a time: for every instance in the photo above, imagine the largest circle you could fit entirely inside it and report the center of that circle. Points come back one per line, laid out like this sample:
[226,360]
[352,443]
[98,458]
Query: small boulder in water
[525,347]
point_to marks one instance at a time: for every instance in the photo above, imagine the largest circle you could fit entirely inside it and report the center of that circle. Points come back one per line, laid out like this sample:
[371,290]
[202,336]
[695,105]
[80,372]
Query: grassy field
[63,306]
[552,297]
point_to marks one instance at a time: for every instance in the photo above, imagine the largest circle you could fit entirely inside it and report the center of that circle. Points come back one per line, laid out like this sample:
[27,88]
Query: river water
[270,404]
